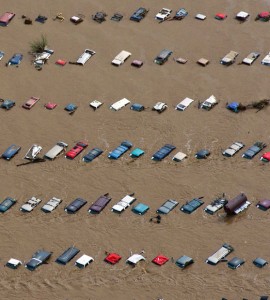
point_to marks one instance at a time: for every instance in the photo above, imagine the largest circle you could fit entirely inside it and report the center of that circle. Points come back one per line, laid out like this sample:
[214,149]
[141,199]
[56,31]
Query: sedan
[76,150]
[30,103]
[6,204]
[92,154]
[11,151]
[75,205]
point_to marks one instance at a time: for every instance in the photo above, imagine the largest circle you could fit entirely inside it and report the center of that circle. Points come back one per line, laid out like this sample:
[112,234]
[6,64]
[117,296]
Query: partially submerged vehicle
[209,103]
[184,104]
[33,152]
[220,16]
[191,205]
[179,156]
[203,62]
[180,14]
[263,204]
[266,60]
[8,104]
[99,16]
[137,63]
[15,60]
[140,209]
[160,260]
[6,18]
[233,106]
[92,154]
[30,102]
[233,149]
[134,259]
[163,152]
[254,150]
[200,17]
[237,204]
[242,16]
[51,205]
[77,19]
[13,263]
[202,154]
[67,255]
[121,58]
[139,14]
[229,58]
[6,204]
[75,205]
[99,204]
[117,17]
[184,261]
[112,258]
[86,55]
[216,205]
[137,152]
[263,16]
[163,14]
[119,104]
[163,56]
[30,204]
[56,150]
[220,254]
[124,203]
[167,206]
[235,263]
[160,107]
[50,105]
[249,60]
[76,150]
[83,261]
[71,107]
[120,150]
[137,107]
[11,151]
[40,257]
[260,262]
[95,104]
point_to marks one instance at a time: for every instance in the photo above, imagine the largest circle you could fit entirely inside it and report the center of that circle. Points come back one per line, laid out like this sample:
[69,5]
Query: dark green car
[6,204]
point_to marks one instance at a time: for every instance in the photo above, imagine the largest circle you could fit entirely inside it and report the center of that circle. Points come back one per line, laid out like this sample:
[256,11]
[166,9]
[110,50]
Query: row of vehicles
[42,256]
[231,207]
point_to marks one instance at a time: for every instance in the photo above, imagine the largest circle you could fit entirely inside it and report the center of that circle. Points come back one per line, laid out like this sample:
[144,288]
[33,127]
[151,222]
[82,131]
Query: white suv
[163,14]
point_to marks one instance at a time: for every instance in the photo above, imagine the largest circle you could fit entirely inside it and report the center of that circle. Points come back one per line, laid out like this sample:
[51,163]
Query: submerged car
[163,14]
[51,205]
[30,103]
[163,152]
[30,204]
[40,257]
[67,255]
[33,152]
[11,152]
[99,204]
[15,59]
[7,204]
[254,150]
[71,107]
[184,261]
[163,56]
[7,104]
[160,107]
[76,150]
[192,205]
[139,14]
[75,205]
[92,154]
[120,150]
[86,55]
[124,203]
[235,263]
[166,207]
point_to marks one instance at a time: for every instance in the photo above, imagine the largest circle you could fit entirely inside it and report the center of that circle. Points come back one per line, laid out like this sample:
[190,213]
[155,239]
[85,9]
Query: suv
[163,56]
[163,14]
[139,14]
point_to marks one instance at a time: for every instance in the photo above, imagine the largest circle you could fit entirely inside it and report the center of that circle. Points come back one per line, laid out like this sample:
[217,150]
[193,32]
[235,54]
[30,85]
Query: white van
[121,58]
[120,104]
[220,254]
[87,54]
[184,104]
[83,261]
[56,150]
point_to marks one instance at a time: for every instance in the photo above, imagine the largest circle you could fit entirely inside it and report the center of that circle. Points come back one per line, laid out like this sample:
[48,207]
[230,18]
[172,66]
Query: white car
[163,14]
[87,54]
[51,204]
[123,203]
[84,261]
[33,152]
[160,106]
[30,204]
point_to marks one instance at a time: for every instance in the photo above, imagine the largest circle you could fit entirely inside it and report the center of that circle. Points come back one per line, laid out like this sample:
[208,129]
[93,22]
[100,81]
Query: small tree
[39,45]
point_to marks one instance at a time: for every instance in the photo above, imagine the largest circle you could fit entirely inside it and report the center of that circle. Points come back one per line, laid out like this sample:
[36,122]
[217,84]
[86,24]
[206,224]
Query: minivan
[163,56]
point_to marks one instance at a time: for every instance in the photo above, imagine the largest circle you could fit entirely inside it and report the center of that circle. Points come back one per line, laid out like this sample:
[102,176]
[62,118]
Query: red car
[50,105]
[76,150]
[30,103]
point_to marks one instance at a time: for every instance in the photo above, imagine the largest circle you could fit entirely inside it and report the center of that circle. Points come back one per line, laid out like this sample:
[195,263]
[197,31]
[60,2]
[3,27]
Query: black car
[6,204]
[11,151]
[184,261]
[40,257]
[75,205]
[66,256]
[139,14]
[235,263]
[92,154]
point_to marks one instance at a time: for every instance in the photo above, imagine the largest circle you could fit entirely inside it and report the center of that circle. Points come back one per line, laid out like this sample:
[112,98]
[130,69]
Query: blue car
[137,107]
[11,151]
[139,14]
[7,104]
[192,205]
[120,150]
[163,152]
[71,107]
[92,154]
[15,59]
[6,204]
